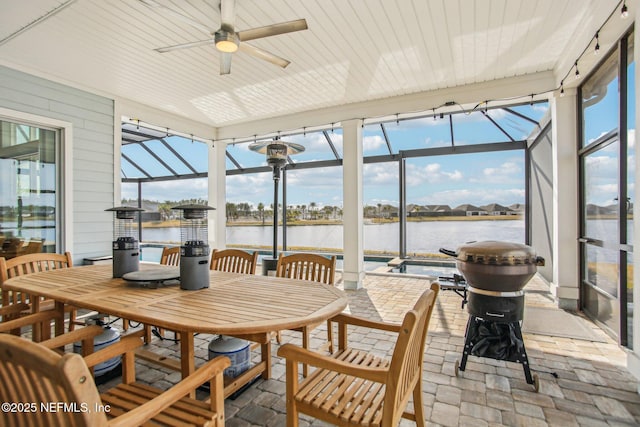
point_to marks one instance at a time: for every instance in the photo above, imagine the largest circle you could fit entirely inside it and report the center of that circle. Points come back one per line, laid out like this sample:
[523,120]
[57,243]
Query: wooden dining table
[245,306]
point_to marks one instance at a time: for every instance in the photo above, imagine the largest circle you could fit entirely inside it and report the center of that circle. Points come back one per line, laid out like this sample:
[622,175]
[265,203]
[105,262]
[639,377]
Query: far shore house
[428,210]
[495,209]
[518,208]
[470,210]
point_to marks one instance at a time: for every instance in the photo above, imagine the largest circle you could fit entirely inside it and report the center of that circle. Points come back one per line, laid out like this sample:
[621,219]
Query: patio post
[352,194]
[217,195]
[565,284]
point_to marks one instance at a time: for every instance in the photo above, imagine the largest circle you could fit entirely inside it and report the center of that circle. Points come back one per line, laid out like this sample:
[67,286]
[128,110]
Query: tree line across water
[262,212]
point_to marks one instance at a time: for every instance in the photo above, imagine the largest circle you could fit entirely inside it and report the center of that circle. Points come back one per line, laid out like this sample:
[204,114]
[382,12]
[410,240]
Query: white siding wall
[92,168]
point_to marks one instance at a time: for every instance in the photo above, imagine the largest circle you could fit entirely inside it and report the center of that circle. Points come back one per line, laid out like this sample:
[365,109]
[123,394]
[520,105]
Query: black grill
[496,273]
[496,308]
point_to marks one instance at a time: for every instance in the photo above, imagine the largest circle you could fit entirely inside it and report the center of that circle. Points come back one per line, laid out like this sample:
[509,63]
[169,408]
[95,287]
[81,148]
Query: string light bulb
[597,48]
[577,71]
[624,12]
[562,88]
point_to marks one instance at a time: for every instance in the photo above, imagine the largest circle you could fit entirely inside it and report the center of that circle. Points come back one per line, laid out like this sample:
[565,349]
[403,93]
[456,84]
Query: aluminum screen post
[402,205]
[284,209]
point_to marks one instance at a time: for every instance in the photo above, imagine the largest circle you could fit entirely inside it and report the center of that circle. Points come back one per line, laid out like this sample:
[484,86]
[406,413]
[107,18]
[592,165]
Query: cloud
[507,168]
[313,142]
[380,174]
[475,196]
[168,190]
[372,142]
[431,173]
[603,194]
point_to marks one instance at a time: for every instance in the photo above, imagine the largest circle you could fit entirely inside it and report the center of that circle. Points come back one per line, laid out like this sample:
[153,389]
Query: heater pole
[276,180]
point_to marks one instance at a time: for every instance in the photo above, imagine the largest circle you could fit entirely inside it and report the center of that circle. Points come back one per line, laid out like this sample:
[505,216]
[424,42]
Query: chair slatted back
[34,374]
[313,267]
[405,369]
[29,264]
[234,261]
[170,256]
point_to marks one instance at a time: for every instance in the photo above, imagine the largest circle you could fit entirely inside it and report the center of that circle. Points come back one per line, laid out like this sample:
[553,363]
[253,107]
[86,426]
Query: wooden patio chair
[33,247]
[170,256]
[34,374]
[315,268]
[234,261]
[11,247]
[29,264]
[356,388]
[85,335]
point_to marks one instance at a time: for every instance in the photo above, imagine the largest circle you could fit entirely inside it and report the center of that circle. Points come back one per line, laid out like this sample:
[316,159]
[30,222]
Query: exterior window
[600,106]
[29,195]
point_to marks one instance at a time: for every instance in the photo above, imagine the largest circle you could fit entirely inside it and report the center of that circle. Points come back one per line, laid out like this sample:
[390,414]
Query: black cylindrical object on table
[126,251]
[194,249]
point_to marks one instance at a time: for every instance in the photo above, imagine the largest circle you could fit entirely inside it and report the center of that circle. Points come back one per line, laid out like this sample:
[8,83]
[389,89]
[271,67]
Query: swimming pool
[420,267]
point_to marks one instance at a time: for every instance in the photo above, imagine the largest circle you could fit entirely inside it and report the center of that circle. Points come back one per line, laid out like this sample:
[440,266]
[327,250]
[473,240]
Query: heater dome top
[194,207]
[193,211]
[124,209]
[266,147]
[125,212]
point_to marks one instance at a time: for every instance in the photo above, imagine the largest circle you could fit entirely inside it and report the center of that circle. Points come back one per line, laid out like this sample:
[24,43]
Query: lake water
[422,237]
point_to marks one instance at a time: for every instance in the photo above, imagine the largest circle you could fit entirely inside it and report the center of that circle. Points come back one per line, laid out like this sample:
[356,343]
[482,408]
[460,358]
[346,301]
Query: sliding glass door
[607,176]
[29,193]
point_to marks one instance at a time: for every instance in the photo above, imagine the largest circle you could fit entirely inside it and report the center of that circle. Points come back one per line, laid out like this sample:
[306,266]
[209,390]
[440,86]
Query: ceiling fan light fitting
[226,41]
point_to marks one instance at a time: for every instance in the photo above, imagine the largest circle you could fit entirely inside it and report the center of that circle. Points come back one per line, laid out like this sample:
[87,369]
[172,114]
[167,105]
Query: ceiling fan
[226,39]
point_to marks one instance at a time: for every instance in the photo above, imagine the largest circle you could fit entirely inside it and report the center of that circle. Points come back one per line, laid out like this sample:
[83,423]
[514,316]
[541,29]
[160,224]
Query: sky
[478,179]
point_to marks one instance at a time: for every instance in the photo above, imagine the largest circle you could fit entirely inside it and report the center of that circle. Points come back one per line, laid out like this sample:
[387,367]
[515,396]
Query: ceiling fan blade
[155,5]
[272,30]
[184,45]
[227,13]
[225,63]
[264,55]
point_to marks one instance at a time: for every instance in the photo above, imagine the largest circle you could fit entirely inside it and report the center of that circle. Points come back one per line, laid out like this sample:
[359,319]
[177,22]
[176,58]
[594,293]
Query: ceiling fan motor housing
[226,41]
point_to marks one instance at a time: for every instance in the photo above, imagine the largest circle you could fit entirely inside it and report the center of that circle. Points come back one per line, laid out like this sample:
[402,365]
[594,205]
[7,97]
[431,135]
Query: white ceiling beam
[522,86]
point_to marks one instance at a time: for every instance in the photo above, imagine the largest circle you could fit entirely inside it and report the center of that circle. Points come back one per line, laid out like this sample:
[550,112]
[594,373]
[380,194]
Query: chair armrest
[127,343]
[76,335]
[344,319]
[148,410]
[14,308]
[299,354]
[350,319]
[29,319]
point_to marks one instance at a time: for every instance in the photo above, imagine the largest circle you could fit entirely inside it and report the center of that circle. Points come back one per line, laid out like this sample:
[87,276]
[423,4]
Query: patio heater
[126,253]
[277,152]
[194,248]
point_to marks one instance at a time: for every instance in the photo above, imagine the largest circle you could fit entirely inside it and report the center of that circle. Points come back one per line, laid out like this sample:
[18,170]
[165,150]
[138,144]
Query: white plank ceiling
[354,50]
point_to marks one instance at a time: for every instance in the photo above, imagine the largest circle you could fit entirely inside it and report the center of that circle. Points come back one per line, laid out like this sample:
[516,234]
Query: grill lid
[492,252]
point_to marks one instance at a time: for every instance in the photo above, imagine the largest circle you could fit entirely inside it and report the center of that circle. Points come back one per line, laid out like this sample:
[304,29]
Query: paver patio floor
[582,383]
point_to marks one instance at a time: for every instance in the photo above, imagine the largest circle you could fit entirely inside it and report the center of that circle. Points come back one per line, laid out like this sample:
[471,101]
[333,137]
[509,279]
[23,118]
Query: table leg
[59,321]
[187,352]
[265,354]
